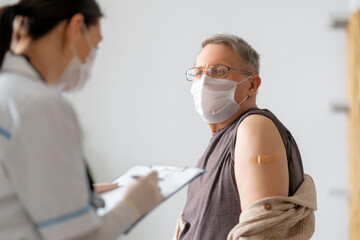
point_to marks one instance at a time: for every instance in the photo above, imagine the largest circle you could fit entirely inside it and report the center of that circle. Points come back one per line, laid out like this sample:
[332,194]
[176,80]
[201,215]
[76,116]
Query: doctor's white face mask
[215,98]
[76,72]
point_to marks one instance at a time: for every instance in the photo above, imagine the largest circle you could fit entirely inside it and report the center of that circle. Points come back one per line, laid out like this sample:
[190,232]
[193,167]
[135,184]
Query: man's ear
[74,30]
[255,83]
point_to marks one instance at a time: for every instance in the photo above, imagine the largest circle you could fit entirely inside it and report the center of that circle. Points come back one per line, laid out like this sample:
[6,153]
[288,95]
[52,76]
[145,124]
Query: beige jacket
[290,218]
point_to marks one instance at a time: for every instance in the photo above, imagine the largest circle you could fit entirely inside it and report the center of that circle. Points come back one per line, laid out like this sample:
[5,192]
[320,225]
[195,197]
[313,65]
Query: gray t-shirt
[213,206]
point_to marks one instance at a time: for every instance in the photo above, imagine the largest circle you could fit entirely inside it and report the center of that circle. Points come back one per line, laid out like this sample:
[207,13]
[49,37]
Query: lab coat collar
[19,64]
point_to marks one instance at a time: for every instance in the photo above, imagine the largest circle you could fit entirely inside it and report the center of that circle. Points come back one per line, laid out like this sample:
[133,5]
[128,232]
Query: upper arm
[257,136]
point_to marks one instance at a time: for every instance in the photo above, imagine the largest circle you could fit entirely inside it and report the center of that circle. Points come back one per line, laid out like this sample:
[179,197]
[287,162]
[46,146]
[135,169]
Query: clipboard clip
[167,168]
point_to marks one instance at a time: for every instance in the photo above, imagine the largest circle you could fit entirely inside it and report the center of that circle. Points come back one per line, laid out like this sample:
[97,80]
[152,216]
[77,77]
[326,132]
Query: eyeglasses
[217,71]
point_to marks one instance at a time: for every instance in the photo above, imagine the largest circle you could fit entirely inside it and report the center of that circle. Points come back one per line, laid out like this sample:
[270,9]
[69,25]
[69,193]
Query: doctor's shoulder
[25,96]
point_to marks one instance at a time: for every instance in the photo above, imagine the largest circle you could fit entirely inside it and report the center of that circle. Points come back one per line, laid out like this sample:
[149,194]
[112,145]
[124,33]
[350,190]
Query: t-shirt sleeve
[47,170]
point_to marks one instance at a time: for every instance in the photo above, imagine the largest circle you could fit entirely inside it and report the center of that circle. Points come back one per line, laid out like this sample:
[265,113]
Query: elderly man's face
[221,54]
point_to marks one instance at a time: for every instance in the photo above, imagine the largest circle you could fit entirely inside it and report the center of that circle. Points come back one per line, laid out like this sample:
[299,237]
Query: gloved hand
[143,194]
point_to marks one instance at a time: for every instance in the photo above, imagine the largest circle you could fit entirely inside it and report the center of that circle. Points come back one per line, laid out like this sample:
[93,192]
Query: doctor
[45,190]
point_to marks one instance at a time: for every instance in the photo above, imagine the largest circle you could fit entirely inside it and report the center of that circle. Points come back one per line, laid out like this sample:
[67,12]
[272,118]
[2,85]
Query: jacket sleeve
[289,218]
[113,224]
[179,228]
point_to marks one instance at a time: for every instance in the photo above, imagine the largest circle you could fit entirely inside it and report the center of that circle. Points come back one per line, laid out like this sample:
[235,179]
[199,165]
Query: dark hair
[41,16]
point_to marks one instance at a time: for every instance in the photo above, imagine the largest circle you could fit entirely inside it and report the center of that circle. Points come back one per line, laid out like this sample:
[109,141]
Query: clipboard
[171,180]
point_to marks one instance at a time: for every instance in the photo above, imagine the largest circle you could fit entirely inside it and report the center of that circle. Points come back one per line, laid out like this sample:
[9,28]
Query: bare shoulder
[260,160]
[257,124]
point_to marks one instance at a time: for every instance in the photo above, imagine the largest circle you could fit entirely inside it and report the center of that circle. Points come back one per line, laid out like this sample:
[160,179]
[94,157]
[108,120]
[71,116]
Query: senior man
[251,155]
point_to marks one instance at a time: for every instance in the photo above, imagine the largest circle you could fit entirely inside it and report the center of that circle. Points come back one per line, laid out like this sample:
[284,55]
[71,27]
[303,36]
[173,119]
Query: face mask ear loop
[243,100]
[87,35]
[73,50]
[242,82]
[244,79]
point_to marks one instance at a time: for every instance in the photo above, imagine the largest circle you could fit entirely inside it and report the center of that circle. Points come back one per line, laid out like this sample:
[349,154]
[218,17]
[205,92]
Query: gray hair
[248,56]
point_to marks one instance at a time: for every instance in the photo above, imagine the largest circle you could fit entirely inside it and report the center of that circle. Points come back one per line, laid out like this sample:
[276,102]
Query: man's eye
[216,71]
[198,72]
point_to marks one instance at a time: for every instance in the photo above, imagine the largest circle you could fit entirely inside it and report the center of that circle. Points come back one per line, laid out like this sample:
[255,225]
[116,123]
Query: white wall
[137,108]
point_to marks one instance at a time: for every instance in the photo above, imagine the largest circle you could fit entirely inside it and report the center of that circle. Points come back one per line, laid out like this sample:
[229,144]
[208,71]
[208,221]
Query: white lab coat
[44,191]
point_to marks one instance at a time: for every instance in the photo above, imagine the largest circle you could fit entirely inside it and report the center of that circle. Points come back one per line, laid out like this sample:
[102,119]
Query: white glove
[143,194]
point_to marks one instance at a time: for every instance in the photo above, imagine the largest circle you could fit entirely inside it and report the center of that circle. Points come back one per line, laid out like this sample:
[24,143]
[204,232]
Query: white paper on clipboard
[171,180]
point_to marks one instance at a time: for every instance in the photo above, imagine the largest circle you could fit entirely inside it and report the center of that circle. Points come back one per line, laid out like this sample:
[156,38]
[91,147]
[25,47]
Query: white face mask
[76,72]
[215,98]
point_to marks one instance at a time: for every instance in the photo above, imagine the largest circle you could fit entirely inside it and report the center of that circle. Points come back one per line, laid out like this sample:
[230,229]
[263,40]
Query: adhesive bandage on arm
[262,159]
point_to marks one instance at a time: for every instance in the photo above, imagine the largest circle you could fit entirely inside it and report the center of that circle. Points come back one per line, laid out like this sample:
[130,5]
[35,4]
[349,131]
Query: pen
[138,176]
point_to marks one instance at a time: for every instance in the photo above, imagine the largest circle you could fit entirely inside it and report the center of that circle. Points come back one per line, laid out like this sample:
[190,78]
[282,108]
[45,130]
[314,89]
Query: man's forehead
[213,54]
